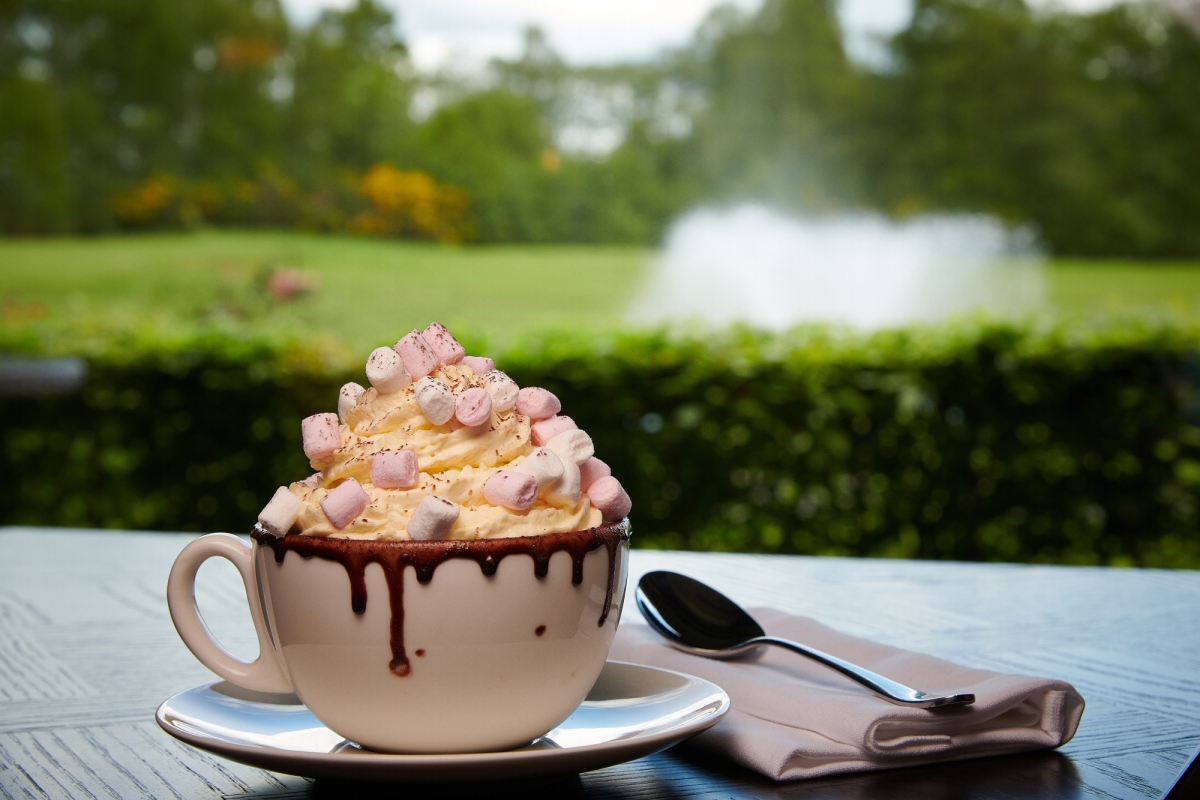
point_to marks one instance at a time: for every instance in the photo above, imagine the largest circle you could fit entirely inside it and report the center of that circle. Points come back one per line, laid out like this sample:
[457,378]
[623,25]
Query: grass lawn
[1085,288]
[370,291]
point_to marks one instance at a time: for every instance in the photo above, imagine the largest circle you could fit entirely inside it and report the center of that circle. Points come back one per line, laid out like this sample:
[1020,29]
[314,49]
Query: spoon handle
[890,690]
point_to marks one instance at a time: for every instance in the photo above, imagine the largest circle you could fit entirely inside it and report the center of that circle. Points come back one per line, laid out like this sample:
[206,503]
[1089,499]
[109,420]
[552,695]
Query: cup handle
[265,673]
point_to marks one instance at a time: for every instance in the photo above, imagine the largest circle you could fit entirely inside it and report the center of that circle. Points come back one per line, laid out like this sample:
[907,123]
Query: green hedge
[993,443]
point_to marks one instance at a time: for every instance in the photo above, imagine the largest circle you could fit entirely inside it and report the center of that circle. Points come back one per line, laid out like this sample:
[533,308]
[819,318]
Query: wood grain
[87,651]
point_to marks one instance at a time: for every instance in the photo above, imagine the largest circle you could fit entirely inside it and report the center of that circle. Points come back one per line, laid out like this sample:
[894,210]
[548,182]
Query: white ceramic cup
[489,662]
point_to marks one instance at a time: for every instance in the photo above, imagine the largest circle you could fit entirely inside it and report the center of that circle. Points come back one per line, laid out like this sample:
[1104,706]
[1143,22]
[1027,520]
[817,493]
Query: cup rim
[620,530]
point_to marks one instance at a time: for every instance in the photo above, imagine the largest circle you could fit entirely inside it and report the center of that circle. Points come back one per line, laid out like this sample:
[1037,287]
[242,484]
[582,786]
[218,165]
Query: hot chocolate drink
[443,461]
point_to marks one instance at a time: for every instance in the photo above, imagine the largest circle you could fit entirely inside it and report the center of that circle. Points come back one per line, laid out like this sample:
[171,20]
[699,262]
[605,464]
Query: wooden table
[87,652]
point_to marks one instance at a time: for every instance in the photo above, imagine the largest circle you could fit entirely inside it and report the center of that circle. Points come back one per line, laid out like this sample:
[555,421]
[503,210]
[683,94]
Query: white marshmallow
[435,399]
[565,491]
[433,519]
[502,388]
[385,370]
[348,399]
[573,445]
[544,465]
[279,515]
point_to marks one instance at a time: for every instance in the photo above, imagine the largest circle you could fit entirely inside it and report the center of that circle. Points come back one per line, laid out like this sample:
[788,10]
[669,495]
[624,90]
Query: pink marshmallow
[419,358]
[473,407]
[321,436]
[591,471]
[312,481]
[547,429]
[537,403]
[394,469]
[344,503]
[512,490]
[479,364]
[610,498]
[443,343]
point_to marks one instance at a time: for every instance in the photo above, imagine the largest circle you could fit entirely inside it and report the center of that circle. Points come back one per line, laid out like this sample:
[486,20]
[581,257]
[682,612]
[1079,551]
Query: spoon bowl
[685,611]
[697,619]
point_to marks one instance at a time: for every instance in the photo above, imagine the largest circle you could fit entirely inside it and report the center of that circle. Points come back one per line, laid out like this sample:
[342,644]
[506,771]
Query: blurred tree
[1084,125]
[504,146]
[148,113]
[35,187]
[634,193]
[349,90]
[98,94]
[491,144]
[783,119]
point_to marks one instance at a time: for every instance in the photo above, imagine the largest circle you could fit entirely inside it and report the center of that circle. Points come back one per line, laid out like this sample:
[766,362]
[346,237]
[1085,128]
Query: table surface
[87,652]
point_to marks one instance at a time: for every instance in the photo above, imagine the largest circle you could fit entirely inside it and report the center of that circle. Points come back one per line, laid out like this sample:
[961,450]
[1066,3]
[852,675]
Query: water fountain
[751,264]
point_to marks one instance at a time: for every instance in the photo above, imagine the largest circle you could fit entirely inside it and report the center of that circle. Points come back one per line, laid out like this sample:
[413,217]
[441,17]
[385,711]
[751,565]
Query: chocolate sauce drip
[355,554]
[394,572]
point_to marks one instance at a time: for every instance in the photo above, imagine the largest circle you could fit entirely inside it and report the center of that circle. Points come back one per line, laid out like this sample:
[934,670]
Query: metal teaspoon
[699,620]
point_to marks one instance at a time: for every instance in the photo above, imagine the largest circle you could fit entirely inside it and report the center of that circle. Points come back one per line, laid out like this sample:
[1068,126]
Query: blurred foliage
[220,112]
[129,113]
[385,201]
[1081,125]
[98,94]
[159,437]
[412,203]
[1085,125]
[990,443]
[786,108]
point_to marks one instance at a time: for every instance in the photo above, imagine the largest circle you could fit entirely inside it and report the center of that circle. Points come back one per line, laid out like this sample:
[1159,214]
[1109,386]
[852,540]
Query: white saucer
[631,712]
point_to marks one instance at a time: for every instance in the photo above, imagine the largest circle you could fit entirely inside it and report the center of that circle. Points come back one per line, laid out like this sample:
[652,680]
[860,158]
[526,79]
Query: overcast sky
[587,31]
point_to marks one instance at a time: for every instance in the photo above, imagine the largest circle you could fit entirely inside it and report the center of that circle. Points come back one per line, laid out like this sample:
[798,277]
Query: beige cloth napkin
[793,718]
